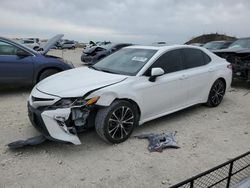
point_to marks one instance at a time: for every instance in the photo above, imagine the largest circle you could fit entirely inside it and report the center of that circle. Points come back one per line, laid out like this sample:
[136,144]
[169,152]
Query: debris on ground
[158,142]
[29,142]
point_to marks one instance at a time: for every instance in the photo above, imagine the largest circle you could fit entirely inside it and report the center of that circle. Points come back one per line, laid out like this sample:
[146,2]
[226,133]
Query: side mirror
[22,53]
[155,72]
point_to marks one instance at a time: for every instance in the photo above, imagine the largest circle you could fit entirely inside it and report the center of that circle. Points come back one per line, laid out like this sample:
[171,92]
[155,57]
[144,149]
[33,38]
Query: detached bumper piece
[29,142]
[60,124]
[158,142]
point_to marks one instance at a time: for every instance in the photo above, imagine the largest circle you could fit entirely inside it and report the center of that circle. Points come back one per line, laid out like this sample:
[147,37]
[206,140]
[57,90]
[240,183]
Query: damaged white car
[126,89]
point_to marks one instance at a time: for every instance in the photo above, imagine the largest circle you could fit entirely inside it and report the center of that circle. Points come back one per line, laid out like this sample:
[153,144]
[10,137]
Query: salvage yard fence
[225,175]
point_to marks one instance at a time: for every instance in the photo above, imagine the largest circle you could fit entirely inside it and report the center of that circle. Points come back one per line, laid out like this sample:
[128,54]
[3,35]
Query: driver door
[168,92]
[14,68]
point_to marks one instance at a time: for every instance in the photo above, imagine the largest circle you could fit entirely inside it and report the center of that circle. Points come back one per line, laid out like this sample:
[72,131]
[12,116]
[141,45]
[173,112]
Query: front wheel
[116,122]
[217,93]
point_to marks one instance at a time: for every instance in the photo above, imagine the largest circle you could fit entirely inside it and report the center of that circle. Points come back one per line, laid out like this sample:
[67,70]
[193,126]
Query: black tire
[73,47]
[112,129]
[47,73]
[216,93]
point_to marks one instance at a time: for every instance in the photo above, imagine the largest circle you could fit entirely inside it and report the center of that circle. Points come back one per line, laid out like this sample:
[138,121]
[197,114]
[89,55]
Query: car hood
[50,43]
[77,82]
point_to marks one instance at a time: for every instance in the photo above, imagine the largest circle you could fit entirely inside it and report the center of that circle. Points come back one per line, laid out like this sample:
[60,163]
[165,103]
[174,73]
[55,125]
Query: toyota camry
[126,89]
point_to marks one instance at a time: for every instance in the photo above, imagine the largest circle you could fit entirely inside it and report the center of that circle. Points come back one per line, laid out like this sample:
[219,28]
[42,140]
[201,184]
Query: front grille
[34,99]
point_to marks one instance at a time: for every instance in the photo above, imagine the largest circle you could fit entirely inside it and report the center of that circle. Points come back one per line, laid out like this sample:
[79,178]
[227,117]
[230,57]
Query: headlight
[70,102]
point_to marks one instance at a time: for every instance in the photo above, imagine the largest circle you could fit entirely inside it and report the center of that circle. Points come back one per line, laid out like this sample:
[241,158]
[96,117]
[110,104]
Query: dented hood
[77,82]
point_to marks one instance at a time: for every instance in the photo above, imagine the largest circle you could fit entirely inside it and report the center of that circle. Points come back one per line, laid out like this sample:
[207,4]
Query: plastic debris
[158,142]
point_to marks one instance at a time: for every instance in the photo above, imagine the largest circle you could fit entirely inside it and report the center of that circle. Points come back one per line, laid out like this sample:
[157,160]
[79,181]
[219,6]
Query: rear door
[14,68]
[169,91]
[198,71]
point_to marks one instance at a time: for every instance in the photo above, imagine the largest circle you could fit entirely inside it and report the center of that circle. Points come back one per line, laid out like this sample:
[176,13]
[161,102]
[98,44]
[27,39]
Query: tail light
[230,66]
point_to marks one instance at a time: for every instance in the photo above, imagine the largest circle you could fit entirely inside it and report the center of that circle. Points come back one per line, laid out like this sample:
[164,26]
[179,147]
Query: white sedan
[126,89]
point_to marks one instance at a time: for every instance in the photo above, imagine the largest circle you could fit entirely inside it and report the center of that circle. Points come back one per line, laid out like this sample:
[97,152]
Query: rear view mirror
[22,53]
[155,72]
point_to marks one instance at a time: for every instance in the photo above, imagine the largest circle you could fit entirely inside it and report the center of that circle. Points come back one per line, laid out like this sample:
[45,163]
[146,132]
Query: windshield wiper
[108,71]
[103,70]
[92,67]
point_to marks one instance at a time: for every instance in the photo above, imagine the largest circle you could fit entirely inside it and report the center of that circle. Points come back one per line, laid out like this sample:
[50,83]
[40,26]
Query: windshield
[127,61]
[241,43]
[213,45]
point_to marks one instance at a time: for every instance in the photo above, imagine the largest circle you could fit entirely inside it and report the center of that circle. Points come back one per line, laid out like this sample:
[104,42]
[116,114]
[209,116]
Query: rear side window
[194,58]
[207,59]
[169,62]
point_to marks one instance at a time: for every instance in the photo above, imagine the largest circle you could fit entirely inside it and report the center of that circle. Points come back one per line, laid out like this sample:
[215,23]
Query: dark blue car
[22,65]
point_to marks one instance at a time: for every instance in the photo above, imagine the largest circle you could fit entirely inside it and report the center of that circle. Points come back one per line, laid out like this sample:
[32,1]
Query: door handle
[210,70]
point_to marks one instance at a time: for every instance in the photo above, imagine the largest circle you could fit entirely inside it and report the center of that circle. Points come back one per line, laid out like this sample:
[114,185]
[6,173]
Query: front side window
[7,49]
[193,58]
[169,62]
[127,61]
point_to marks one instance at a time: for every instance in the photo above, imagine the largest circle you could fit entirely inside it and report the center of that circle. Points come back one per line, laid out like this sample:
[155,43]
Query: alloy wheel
[121,123]
[217,92]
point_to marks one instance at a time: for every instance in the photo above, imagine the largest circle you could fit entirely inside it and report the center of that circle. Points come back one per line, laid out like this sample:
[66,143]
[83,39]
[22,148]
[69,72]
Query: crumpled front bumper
[51,123]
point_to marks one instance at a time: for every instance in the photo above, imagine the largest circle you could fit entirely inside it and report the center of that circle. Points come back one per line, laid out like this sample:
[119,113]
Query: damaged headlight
[75,102]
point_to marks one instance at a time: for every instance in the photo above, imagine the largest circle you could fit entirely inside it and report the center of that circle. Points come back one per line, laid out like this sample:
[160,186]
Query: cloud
[141,21]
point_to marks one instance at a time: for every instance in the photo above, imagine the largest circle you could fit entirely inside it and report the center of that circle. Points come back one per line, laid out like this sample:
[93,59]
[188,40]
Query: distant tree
[210,37]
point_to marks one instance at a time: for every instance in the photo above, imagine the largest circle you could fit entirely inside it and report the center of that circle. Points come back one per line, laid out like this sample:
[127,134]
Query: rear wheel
[217,93]
[116,122]
[47,73]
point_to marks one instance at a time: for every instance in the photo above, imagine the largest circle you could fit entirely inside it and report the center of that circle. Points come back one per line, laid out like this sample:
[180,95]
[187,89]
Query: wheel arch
[109,98]
[44,69]
[222,79]
[136,106]
[211,85]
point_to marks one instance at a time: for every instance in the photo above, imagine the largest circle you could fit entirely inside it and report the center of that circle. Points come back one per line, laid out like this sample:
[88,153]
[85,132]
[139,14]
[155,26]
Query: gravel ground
[207,137]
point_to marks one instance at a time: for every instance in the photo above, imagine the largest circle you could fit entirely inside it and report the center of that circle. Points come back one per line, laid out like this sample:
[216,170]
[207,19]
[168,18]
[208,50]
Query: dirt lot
[207,137]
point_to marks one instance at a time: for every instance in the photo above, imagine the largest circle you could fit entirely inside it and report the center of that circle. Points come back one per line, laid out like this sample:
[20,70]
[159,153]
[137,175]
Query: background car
[161,43]
[238,54]
[216,45]
[22,65]
[68,45]
[31,44]
[92,55]
[128,88]
[197,44]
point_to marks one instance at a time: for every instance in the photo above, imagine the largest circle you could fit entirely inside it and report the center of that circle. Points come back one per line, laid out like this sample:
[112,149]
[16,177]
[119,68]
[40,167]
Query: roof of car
[163,47]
